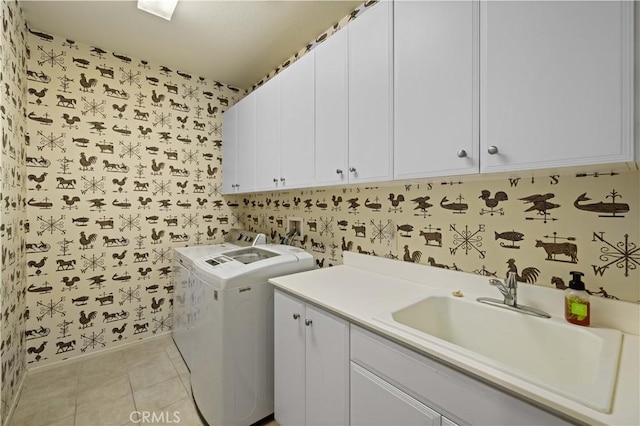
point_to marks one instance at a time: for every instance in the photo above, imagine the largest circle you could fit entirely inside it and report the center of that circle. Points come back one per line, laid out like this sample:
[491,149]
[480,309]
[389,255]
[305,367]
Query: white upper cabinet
[370,95]
[298,118]
[245,155]
[436,78]
[332,110]
[230,150]
[239,127]
[556,83]
[267,152]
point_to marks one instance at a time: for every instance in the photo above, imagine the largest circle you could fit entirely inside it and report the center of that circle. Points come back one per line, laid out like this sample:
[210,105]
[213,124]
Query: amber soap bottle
[577,308]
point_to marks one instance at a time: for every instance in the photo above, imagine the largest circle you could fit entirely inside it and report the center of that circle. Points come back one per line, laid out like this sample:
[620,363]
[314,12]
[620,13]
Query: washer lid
[250,265]
[244,255]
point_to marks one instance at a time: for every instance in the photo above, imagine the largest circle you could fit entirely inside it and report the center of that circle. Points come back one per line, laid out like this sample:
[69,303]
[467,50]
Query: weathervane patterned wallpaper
[123,164]
[13,56]
[542,227]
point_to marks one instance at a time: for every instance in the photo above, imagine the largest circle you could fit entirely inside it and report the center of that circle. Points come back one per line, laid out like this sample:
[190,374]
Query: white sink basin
[579,363]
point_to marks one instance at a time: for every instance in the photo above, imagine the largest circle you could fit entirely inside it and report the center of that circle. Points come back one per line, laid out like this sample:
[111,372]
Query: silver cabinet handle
[492,149]
[462,153]
[296,316]
[308,322]
[352,169]
[339,171]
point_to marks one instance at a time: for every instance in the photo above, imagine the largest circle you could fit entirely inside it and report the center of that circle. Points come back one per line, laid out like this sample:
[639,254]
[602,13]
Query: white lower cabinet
[421,382]
[311,368]
[376,402]
[330,372]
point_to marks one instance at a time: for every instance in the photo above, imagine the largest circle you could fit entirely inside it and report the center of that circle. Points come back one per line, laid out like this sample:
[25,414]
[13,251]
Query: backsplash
[540,227]
[124,164]
[13,283]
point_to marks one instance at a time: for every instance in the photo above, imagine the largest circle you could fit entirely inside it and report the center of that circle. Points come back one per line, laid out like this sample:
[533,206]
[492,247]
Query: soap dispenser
[577,308]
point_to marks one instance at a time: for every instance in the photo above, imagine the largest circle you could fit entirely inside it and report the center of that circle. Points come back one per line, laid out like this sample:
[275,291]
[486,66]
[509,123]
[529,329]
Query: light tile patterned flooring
[107,389]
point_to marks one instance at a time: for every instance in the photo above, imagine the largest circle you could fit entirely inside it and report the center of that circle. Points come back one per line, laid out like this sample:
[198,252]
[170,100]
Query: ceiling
[235,42]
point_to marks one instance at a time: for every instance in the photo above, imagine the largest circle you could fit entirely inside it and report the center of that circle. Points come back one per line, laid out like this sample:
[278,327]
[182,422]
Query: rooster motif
[156,236]
[144,132]
[411,257]
[144,202]
[529,275]
[156,99]
[37,179]
[71,120]
[156,167]
[87,84]
[37,350]
[336,200]
[395,202]
[156,306]
[347,246]
[38,94]
[86,241]
[492,203]
[86,320]
[70,201]
[86,163]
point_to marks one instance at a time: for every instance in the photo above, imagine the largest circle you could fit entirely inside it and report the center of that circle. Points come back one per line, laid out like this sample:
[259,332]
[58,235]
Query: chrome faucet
[509,290]
[288,239]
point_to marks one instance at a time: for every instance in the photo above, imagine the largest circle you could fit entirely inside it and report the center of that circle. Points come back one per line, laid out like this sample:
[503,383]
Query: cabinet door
[327,363]
[246,144]
[376,402]
[370,95]
[230,149]
[447,422]
[436,75]
[298,116]
[555,83]
[332,115]
[268,134]
[289,360]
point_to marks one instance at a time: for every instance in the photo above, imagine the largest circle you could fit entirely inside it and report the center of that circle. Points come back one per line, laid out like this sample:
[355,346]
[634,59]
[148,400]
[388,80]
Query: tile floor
[107,389]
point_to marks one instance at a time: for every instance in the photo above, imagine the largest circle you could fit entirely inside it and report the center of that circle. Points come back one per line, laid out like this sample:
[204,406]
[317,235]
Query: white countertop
[366,287]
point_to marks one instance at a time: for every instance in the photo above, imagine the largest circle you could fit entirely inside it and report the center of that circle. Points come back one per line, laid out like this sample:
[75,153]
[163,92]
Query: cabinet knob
[352,169]
[275,180]
[282,179]
[296,316]
[308,322]
[492,149]
[462,153]
[339,171]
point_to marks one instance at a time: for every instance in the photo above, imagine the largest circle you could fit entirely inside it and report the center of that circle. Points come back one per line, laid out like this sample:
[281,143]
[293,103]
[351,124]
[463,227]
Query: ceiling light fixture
[162,8]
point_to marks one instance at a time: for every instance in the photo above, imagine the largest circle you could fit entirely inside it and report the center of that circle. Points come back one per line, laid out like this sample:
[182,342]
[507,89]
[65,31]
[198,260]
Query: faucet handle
[495,282]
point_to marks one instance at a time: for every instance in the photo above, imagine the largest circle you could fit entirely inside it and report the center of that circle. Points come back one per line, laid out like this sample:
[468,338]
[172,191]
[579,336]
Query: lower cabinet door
[327,368]
[376,402]
[289,368]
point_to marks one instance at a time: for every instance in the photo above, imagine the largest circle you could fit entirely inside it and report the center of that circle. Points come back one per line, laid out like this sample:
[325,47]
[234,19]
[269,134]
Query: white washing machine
[183,282]
[232,374]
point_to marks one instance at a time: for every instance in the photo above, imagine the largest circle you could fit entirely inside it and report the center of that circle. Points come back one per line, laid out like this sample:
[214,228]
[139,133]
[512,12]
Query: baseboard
[16,399]
[84,357]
